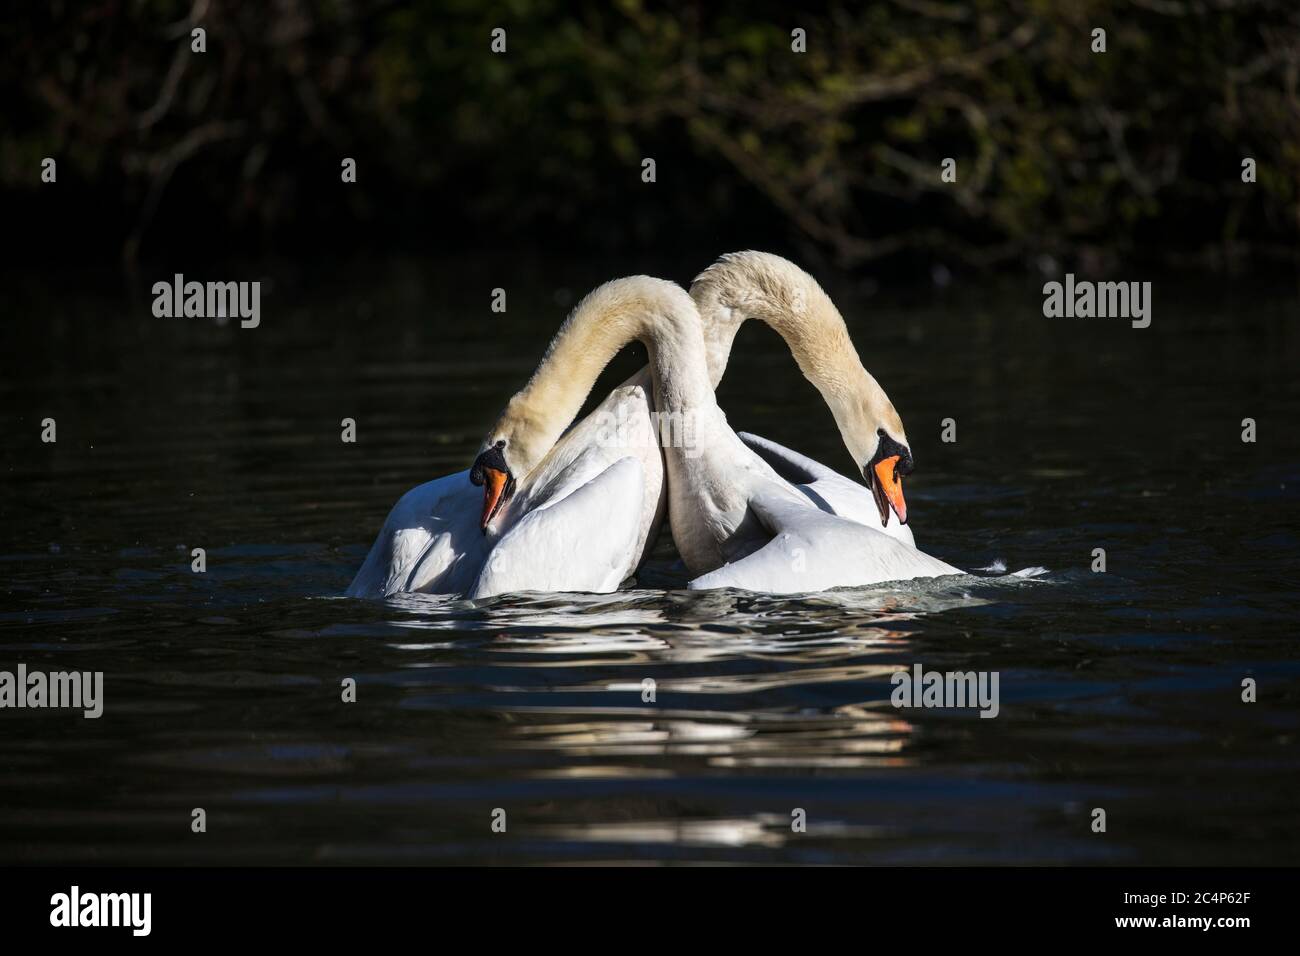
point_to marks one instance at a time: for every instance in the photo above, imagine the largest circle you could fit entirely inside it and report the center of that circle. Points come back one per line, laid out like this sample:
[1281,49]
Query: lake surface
[1119,690]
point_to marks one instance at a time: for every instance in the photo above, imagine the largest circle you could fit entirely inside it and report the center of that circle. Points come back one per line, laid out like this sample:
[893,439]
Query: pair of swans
[543,509]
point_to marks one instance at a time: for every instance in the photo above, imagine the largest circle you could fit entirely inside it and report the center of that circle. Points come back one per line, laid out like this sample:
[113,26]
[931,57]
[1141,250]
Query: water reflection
[674,682]
[762,830]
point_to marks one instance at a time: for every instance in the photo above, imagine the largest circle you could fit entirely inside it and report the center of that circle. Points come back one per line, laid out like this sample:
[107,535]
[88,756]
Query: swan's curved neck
[657,313]
[757,285]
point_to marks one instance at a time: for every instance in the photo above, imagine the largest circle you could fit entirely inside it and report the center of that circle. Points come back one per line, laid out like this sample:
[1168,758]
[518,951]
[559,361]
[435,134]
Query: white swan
[580,520]
[759,285]
[735,520]
[539,539]
[575,512]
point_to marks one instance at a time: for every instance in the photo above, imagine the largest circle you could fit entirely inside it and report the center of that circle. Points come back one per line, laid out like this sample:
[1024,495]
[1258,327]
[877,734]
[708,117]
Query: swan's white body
[736,522]
[584,517]
[580,521]
[826,535]
[826,488]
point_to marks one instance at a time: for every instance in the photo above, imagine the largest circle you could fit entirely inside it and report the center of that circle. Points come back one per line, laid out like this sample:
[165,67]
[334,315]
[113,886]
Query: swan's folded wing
[826,488]
[789,464]
[585,541]
[811,550]
[430,541]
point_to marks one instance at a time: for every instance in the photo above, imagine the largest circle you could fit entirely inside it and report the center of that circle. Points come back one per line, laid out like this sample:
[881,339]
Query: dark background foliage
[1064,156]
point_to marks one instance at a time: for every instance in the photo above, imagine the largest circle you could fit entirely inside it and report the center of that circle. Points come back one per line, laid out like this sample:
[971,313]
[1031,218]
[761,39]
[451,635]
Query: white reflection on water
[714,611]
[743,682]
[760,830]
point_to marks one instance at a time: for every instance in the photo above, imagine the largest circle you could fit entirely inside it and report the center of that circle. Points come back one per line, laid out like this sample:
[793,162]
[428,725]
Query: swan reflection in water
[732,675]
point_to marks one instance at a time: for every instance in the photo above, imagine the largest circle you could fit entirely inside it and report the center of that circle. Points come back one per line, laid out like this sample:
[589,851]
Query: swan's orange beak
[889,486]
[491,471]
[495,482]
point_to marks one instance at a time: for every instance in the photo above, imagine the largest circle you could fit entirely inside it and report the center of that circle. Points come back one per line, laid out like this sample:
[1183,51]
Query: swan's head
[511,449]
[493,472]
[874,434]
[884,473]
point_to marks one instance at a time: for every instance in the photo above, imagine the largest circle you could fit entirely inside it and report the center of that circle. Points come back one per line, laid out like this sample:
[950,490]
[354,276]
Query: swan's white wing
[792,466]
[619,427]
[827,489]
[430,542]
[584,541]
[811,550]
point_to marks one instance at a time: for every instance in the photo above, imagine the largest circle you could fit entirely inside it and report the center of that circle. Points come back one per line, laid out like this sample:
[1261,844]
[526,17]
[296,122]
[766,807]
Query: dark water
[1118,690]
